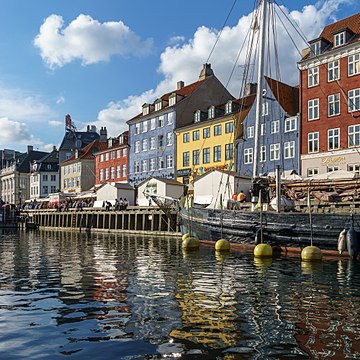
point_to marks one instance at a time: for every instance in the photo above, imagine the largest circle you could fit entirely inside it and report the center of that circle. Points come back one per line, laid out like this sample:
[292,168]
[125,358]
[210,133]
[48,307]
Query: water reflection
[112,296]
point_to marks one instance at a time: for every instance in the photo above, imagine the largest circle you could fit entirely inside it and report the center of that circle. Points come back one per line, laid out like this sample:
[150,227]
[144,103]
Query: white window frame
[274,152]
[228,107]
[152,123]
[169,161]
[333,136]
[263,154]
[333,70]
[248,156]
[136,167]
[290,124]
[145,126]
[152,164]
[262,129]
[312,171]
[172,100]
[354,64]
[137,146]
[152,143]
[144,165]
[144,145]
[313,138]
[313,109]
[354,100]
[334,105]
[275,126]
[250,132]
[169,138]
[211,112]
[316,48]
[264,108]
[313,76]
[186,137]
[339,39]
[354,135]
[289,149]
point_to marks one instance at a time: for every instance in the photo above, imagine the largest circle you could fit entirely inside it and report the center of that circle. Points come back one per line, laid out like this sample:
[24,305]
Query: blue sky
[99,61]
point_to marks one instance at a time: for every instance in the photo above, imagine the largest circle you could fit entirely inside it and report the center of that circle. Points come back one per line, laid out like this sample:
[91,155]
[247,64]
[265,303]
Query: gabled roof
[286,95]
[164,180]
[87,152]
[70,138]
[184,92]
[24,160]
[117,185]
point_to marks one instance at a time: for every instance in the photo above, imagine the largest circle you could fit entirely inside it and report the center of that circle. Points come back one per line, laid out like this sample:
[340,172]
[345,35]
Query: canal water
[107,296]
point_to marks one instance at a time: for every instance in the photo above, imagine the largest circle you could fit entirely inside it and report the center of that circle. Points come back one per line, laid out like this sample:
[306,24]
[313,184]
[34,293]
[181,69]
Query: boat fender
[258,237]
[352,243]
[342,241]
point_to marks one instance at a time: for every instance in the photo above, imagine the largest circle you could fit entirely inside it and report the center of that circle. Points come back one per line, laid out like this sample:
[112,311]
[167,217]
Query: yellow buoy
[263,250]
[222,245]
[221,255]
[185,236]
[190,243]
[311,253]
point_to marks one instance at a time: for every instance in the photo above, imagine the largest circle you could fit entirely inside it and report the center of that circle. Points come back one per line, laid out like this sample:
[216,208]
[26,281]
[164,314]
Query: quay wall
[133,220]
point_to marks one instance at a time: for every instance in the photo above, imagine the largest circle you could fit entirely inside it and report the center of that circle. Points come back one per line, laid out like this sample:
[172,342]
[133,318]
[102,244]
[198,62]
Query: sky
[100,60]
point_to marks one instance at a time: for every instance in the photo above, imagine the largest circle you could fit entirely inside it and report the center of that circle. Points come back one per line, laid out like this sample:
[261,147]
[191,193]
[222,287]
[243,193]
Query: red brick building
[111,164]
[330,99]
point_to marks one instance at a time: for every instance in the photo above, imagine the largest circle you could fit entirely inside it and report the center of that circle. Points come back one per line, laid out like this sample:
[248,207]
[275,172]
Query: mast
[260,83]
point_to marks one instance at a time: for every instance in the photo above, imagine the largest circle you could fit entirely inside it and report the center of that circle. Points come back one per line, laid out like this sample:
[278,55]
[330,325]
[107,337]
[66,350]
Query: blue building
[279,142]
[151,133]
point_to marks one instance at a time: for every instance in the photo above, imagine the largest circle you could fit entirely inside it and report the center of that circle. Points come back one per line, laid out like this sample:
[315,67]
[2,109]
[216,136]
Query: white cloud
[60,100]
[14,132]
[88,40]
[55,123]
[184,62]
[175,40]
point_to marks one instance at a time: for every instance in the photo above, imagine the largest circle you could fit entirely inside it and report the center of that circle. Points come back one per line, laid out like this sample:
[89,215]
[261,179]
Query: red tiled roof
[185,91]
[286,95]
[87,151]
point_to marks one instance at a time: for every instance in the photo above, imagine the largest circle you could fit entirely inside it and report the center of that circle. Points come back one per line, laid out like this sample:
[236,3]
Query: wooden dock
[133,220]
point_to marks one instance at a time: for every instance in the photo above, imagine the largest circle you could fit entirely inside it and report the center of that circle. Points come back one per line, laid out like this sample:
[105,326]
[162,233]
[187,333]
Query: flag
[258,205]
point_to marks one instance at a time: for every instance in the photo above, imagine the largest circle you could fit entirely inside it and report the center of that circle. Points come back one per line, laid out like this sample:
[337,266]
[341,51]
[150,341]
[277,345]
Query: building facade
[330,99]
[111,164]
[151,133]
[44,176]
[208,143]
[279,143]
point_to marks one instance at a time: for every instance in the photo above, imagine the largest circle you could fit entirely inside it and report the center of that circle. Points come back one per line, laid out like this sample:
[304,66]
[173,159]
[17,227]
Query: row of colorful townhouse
[308,129]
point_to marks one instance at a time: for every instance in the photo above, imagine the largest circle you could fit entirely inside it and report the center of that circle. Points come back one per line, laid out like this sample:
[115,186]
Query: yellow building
[209,143]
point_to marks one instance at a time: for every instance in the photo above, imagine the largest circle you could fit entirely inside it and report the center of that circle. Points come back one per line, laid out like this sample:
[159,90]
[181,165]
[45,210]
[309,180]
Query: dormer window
[146,109]
[316,48]
[172,100]
[339,39]
[197,116]
[228,107]
[211,112]
[158,105]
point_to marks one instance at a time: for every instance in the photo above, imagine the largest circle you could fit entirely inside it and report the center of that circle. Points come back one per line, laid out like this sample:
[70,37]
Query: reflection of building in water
[208,305]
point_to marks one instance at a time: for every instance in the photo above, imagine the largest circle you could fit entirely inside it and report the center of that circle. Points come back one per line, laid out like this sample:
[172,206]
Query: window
[290,124]
[152,143]
[186,137]
[228,107]
[136,167]
[354,64]
[172,100]
[333,104]
[161,163]
[229,127]
[101,157]
[124,151]
[160,141]
[262,129]
[170,118]
[339,39]
[45,178]
[197,116]
[186,158]
[250,132]
[262,153]
[275,126]
[316,48]
[137,146]
[217,130]
[118,171]
[169,161]
[312,171]
[53,189]
[313,109]
[265,108]
[118,153]
[229,151]
[45,189]
[354,100]
[353,168]
[158,105]
[196,157]
[206,132]
[274,152]
[211,112]
[137,128]
[146,109]
[289,149]
[248,156]
[313,76]
[313,142]
[52,177]
[144,126]
[124,170]
[144,145]
[196,135]
[169,137]
[333,70]
[354,135]
[217,153]
[106,174]
[152,164]
[144,164]
[101,174]
[161,121]
[152,124]
[332,168]
[112,173]
[206,155]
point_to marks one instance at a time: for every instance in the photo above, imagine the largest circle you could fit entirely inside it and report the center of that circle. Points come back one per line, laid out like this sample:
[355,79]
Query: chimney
[30,148]
[206,71]
[250,88]
[54,148]
[103,134]
[76,153]
[88,128]
[179,85]
[305,52]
